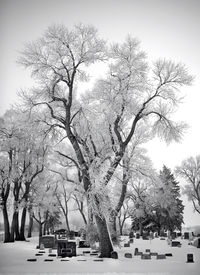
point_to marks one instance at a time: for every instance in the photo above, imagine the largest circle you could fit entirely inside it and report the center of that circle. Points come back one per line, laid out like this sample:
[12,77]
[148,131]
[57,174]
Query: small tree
[169,205]
[190,171]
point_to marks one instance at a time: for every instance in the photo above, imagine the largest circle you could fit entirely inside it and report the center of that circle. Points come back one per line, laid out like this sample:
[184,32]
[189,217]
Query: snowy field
[13,260]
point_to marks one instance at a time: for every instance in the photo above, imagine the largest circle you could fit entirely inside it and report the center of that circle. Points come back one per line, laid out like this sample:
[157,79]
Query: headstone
[31,260]
[136,251]
[173,235]
[48,241]
[41,246]
[131,240]
[52,255]
[146,257]
[190,258]
[156,234]
[127,245]
[168,254]
[153,253]
[93,254]
[38,254]
[48,260]
[128,255]
[86,252]
[131,235]
[162,239]
[186,235]
[137,235]
[161,257]
[148,250]
[198,245]
[83,244]
[175,244]
[66,248]
[98,260]
[114,255]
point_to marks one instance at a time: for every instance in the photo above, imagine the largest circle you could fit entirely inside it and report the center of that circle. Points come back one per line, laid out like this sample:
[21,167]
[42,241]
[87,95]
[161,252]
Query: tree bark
[106,246]
[6,224]
[14,235]
[30,226]
[22,227]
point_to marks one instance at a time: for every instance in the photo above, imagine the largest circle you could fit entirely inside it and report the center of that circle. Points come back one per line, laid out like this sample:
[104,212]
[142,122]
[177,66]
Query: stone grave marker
[153,253]
[48,241]
[31,260]
[186,235]
[127,245]
[146,257]
[175,244]
[190,258]
[128,255]
[161,257]
[114,255]
[168,254]
[66,248]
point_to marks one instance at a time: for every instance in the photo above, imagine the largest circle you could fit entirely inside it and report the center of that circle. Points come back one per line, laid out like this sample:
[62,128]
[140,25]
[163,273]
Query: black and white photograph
[99,137]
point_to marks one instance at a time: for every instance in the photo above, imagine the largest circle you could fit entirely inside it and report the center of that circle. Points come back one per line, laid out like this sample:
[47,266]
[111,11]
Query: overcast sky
[167,29]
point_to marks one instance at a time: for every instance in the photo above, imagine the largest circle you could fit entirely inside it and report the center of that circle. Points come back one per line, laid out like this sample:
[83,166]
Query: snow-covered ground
[13,260]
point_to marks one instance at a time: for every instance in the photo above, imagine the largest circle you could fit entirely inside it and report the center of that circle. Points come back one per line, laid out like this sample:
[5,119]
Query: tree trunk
[6,224]
[105,242]
[14,235]
[40,229]
[67,223]
[22,227]
[30,226]
[113,226]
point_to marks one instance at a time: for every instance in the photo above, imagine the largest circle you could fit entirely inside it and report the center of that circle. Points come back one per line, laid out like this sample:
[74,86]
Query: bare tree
[190,171]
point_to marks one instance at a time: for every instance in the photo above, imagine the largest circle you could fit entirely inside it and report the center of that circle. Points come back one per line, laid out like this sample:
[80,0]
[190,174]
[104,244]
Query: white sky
[167,29]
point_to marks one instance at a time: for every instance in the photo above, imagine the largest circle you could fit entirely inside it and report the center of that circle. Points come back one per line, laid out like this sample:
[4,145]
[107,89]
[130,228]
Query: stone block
[128,255]
[161,257]
[114,255]
[146,257]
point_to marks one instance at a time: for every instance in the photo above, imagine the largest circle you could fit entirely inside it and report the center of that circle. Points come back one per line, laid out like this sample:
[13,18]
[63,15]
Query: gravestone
[128,255]
[48,241]
[31,260]
[173,235]
[137,235]
[153,253]
[186,235]
[114,255]
[161,257]
[127,245]
[146,257]
[198,244]
[98,260]
[168,254]
[86,252]
[66,248]
[148,250]
[131,241]
[83,244]
[136,251]
[190,258]
[175,244]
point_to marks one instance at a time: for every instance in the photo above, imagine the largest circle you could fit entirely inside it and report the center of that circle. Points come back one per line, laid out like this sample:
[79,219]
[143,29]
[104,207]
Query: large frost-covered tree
[190,171]
[101,125]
